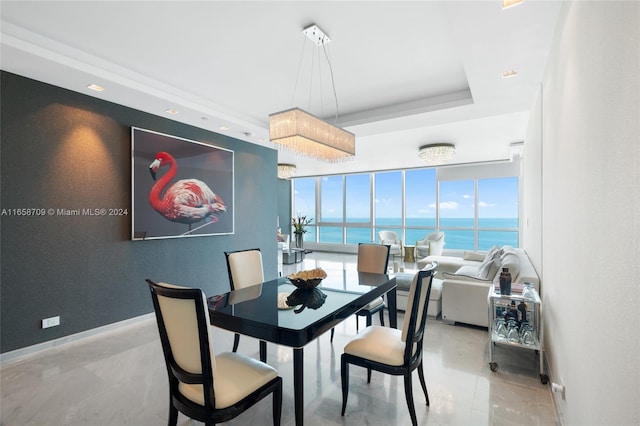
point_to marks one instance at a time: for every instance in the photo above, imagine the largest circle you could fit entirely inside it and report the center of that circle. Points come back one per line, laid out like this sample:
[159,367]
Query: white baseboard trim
[31,351]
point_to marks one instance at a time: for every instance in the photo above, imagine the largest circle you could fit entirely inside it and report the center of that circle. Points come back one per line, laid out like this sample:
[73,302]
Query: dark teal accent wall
[65,150]
[284,205]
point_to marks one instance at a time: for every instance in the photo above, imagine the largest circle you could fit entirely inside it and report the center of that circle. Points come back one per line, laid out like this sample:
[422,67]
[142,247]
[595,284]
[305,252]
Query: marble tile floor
[119,378]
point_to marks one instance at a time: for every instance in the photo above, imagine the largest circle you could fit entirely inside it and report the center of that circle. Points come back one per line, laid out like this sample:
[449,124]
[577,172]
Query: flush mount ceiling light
[506,4]
[437,153]
[307,134]
[286,171]
[509,73]
[95,87]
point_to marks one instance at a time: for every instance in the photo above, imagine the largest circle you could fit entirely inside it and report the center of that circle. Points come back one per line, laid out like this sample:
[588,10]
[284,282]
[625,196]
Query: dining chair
[205,387]
[245,269]
[391,351]
[373,258]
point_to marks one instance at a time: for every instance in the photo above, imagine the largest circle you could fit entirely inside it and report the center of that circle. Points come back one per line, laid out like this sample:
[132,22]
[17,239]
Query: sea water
[459,232]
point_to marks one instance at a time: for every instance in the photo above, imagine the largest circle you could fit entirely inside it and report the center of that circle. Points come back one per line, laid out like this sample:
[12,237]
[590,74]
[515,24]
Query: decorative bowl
[307,280]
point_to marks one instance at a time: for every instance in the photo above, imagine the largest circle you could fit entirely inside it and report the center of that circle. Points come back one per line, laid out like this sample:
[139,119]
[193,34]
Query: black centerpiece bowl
[307,280]
[313,298]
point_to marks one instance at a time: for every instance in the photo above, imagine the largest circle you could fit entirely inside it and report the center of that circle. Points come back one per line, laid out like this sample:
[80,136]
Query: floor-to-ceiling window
[387,205]
[358,208]
[474,209]
[304,203]
[497,212]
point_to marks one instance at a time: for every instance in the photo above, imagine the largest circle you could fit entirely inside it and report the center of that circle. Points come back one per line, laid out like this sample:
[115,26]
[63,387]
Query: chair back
[186,337]
[373,258]
[245,268]
[416,314]
[388,237]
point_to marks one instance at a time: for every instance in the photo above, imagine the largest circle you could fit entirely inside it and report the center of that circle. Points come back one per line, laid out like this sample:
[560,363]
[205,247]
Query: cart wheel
[493,366]
[544,379]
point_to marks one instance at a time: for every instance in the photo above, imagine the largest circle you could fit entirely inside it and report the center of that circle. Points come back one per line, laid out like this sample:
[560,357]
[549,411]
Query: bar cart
[515,320]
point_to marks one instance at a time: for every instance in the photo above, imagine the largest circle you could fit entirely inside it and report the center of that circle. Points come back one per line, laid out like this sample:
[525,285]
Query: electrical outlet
[50,322]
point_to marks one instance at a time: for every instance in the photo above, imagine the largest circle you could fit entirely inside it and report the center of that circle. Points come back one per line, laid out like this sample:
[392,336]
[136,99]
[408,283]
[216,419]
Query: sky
[497,198]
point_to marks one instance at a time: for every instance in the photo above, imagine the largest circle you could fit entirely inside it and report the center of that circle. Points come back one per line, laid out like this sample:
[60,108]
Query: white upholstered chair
[245,269]
[391,351]
[391,239]
[208,388]
[431,245]
[372,258]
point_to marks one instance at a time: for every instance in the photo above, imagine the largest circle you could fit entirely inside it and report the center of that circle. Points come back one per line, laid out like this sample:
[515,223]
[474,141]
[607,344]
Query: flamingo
[187,200]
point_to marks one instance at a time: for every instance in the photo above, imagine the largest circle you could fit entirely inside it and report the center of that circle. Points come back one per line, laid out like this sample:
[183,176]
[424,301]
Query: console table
[292,256]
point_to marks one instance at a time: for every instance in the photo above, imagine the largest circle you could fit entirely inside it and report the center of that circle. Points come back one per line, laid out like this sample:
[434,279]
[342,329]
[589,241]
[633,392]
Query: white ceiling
[406,73]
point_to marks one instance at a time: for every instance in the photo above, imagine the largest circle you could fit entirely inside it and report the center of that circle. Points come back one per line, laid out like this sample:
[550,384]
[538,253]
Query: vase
[505,282]
[299,240]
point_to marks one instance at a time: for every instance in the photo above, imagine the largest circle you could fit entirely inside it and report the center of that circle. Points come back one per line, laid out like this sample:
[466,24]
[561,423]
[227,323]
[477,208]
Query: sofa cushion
[474,255]
[468,271]
[403,283]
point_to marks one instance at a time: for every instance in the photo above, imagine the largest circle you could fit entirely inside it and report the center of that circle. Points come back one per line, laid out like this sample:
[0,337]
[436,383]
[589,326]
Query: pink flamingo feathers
[187,200]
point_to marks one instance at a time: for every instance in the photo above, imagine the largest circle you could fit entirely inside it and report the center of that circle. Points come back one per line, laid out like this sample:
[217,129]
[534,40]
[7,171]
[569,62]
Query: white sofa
[403,283]
[464,295]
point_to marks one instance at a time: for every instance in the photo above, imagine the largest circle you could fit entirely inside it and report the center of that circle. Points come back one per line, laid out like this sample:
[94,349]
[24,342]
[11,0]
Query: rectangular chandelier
[310,136]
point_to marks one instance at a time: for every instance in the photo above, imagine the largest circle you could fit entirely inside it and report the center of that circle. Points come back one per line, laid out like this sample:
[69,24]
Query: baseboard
[558,402]
[31,351]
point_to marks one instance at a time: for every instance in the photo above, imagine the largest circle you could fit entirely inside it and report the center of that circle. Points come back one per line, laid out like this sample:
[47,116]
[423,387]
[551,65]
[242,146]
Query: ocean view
[491,231]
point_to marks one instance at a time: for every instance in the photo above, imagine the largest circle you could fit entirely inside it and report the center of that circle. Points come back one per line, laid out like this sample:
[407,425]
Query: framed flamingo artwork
[181,188]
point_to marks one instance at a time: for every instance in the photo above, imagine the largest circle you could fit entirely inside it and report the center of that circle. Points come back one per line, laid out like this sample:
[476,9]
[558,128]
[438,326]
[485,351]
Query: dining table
[278,312]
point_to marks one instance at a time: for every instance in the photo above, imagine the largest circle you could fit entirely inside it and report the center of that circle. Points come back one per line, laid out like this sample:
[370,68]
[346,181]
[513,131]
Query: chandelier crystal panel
[310,136]
[307,135]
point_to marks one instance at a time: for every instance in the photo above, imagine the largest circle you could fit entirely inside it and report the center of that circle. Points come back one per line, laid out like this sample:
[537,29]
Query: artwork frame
[180,187]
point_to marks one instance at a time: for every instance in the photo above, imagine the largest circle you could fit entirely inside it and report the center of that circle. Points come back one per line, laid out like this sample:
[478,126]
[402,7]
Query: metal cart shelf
[522,311]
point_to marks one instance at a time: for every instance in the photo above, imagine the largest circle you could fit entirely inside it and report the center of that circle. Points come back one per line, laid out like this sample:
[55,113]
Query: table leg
[298,385]
[263,351]
[393,311]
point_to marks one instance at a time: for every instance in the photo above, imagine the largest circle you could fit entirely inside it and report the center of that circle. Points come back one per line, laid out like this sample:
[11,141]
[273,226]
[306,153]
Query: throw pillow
[511,261]
[489,270]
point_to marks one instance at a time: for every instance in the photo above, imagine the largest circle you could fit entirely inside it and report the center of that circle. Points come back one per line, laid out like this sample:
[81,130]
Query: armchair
[391,239]
[431,245]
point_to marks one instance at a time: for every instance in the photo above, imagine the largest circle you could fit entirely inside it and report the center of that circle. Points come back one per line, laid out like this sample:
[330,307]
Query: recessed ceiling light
[95,87]
[223,127]
[171,111]
[509,3]
[510,73]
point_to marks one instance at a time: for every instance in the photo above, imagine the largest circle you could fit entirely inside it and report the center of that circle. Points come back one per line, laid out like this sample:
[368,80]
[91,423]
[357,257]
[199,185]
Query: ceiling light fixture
[437,153]
[171,111]
[307,134]
[95,87]
[506,4]
[223,127]
[286,171]
[510,73]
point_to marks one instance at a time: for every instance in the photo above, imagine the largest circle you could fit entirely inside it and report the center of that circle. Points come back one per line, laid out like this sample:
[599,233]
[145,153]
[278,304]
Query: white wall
[590,210]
